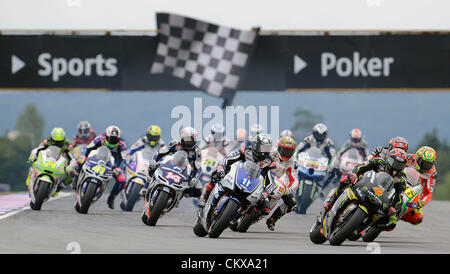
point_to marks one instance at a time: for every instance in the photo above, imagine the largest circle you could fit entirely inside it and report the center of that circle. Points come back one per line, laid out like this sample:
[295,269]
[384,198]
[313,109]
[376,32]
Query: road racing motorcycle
[358,207]
[93,178]
[45,174]
[239,190]
[136,176]
[277,187]
[312,168]
[167,187]
[410,198]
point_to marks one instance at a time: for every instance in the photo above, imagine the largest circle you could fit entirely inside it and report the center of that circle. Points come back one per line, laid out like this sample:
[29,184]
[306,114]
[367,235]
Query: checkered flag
[212,58]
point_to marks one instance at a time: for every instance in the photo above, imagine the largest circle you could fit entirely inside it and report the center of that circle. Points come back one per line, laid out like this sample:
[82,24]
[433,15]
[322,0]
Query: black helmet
[261,147]
[320,132]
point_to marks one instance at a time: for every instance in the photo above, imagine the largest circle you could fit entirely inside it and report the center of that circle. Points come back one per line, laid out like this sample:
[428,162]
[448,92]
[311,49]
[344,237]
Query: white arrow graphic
[16,64]
[299,64]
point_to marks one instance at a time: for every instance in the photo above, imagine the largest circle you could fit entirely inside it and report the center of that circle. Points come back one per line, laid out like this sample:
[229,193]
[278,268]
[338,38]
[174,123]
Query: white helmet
[218,132]
[320,132]
[188,138]
[255,129]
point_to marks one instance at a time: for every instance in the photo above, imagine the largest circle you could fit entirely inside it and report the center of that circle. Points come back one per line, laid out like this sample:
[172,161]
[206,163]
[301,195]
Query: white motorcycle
[136,176]
[167,186]
[93,178]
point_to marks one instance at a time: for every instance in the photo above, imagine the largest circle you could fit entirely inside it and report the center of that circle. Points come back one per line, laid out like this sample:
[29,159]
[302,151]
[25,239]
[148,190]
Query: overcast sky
[269,15]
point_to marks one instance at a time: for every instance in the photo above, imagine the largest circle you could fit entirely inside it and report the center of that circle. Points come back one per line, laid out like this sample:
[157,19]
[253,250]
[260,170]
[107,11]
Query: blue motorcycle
[312,168]
[239,190]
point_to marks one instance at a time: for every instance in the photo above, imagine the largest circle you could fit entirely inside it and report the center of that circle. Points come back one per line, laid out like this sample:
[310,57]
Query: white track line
[61,195]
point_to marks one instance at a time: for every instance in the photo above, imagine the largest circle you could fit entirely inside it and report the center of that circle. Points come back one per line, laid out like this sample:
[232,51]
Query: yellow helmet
[425,158]
[153,135]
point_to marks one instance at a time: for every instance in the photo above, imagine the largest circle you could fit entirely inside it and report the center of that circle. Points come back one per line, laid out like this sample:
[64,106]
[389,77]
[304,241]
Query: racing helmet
[399,142]
[84,129]
[396,160]
[188,138]
[261,147]
[241,134]
[425,158]
[153,135]
[355,136]
[320,132]
[255,129]
[218,132]
[287,132]
[58,136]
[286,147]
[112,136]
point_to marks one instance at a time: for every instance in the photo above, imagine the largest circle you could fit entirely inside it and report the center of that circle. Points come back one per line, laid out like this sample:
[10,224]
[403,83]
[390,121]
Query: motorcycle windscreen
[53,152]
[246,181]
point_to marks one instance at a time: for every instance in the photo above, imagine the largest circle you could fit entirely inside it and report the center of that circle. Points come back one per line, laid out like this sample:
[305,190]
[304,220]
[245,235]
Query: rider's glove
[392,211]
[152,166]
[194,182]
[349,179]
[81,160]
[420,204]
[117,171]
[31,158]
[218,175]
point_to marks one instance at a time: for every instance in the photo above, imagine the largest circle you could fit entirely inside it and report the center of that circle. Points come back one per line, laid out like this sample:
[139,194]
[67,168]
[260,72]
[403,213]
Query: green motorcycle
[45,174]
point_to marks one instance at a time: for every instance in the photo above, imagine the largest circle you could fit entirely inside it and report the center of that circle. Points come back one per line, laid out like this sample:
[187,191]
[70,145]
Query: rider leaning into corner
[394,164]
[424,162]
[284,164]
[216,139]
[318,139]
[57,138]
[112,140]
[356,141]
[258,151]
[188,144]
[85,134]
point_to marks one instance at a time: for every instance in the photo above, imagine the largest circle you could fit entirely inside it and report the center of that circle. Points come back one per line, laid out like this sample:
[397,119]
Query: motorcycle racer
[111,139]
[318,139]
[285,164]
[216,139]
[151,139]
[57,138]
[356,141]
[241,139]
[85,134]
[258,152]
[424,162]
[396,142]
[394,165]
[187,143]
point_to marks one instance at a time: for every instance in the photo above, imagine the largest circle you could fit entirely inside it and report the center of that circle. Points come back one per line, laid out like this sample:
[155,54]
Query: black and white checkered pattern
[212,58]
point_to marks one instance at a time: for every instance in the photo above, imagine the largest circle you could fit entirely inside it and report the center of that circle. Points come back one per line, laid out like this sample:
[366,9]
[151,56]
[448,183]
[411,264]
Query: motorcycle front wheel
[223,220]
[40,196]
[158,207]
